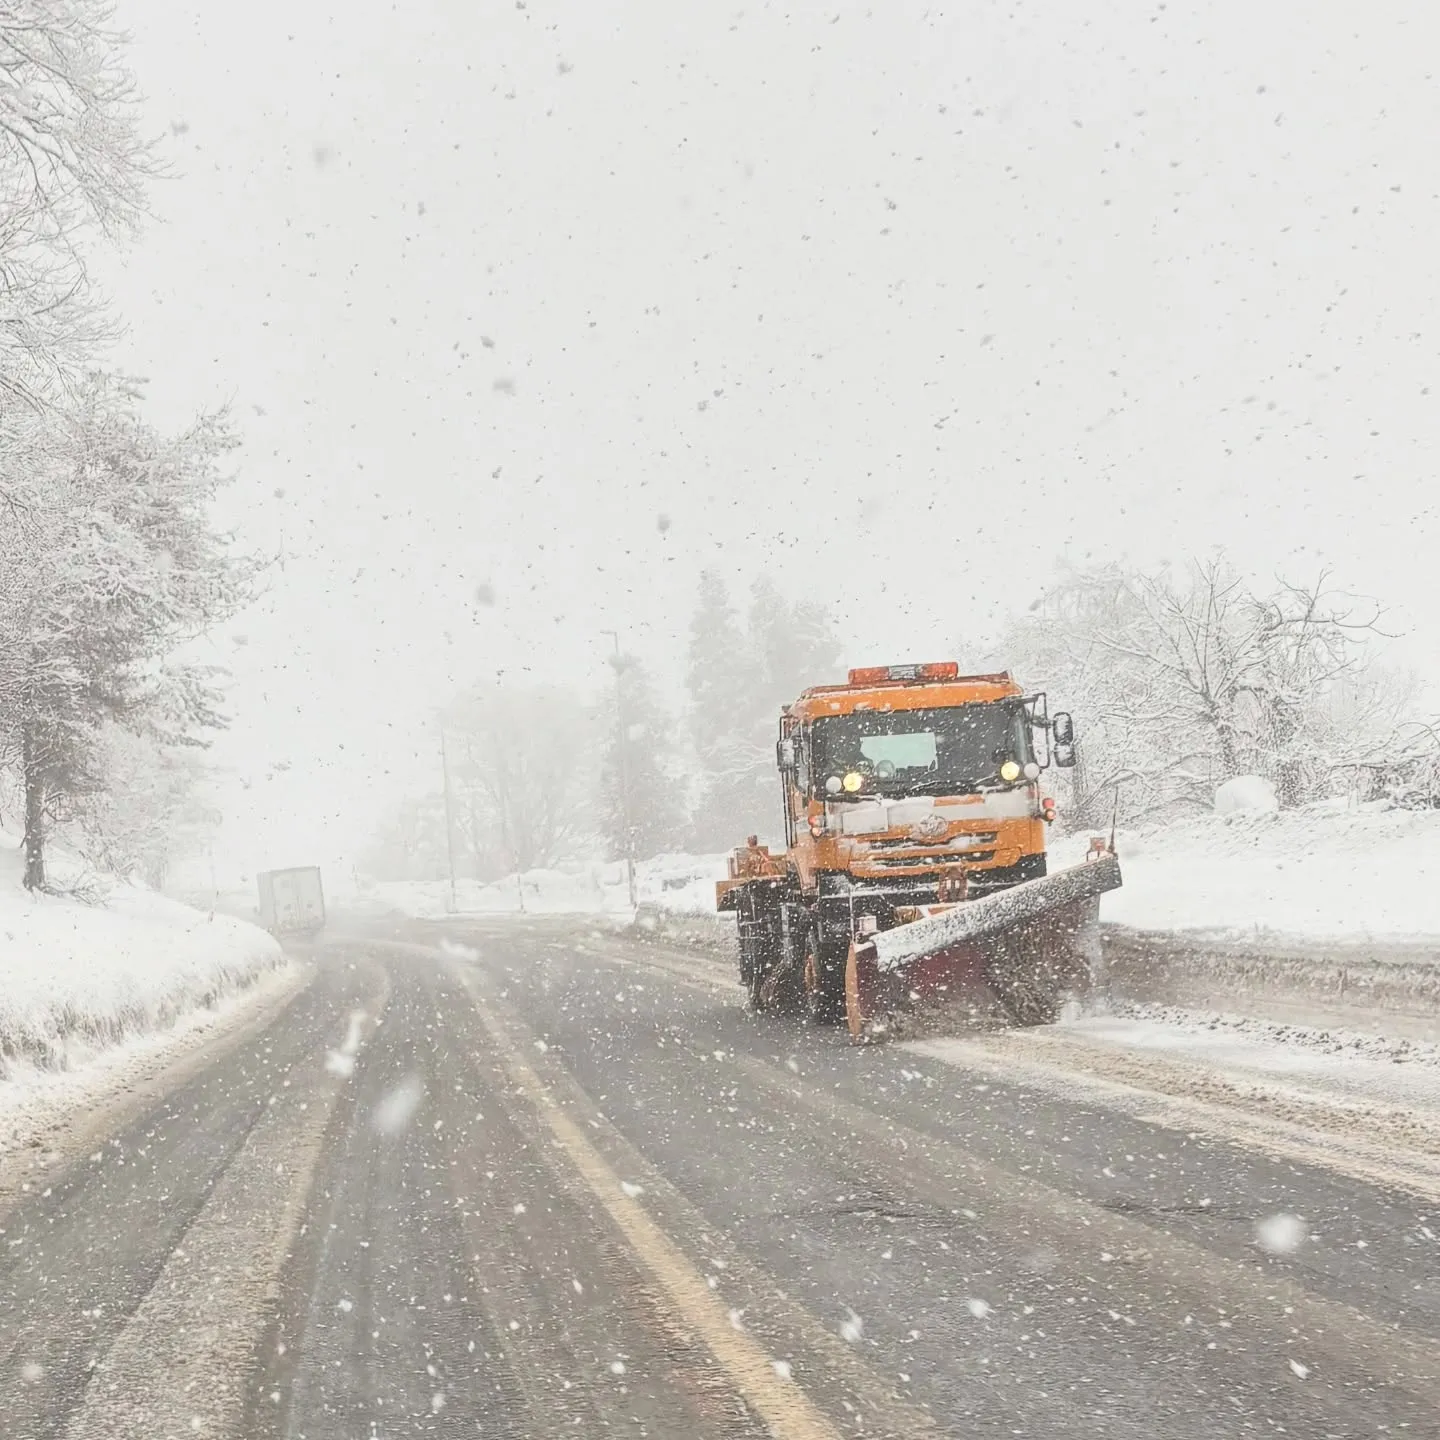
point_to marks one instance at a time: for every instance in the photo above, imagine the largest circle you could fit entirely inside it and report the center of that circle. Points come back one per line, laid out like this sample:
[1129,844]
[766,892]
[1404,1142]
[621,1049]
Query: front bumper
[850,894]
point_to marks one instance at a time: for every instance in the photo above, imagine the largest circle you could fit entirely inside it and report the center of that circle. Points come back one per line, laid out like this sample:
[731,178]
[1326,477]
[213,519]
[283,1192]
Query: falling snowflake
[399,1105]
[1301,1370]
[1280,1234]
[631,1191]
[978,1308]
[617,1367]
[852,1328]
[782,1368]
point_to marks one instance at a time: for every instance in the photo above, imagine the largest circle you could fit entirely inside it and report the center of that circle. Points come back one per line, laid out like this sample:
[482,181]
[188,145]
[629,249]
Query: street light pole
[449,820]
[623,740]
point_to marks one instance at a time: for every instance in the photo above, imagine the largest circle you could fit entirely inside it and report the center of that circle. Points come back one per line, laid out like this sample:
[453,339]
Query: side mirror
[785,753]
[1064,755]
[1063,729]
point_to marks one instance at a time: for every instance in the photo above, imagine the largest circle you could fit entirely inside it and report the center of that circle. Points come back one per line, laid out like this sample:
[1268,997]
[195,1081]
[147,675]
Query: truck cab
[916,775]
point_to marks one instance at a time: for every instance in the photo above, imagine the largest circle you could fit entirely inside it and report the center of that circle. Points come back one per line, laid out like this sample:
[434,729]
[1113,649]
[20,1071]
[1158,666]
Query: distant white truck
[292,902]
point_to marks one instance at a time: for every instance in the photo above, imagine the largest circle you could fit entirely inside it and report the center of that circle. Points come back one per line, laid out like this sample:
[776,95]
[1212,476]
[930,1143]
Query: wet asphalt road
[554,1182]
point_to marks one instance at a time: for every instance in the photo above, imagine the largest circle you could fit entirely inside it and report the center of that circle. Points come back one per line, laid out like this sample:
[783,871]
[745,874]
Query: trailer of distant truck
[292,902]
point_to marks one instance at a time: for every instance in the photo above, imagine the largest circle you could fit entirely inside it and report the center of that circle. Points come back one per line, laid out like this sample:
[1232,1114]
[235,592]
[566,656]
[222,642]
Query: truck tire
[823,974]
[759,953]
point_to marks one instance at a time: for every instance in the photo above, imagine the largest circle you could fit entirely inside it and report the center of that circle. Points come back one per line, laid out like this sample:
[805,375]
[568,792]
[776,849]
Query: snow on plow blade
[1024,949]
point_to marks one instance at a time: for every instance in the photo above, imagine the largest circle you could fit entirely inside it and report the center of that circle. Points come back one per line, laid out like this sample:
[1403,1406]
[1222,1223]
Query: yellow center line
[784,1408]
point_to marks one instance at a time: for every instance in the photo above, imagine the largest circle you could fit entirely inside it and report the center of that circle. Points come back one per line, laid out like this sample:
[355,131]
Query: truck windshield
[954,751]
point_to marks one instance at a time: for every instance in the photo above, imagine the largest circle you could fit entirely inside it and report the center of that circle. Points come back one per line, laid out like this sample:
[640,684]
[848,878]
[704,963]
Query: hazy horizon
[570,301]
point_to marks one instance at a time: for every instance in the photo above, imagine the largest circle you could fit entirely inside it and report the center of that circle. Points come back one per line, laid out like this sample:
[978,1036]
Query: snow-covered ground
[682,883]
[1359,1065]
[79,979]
[1324,872]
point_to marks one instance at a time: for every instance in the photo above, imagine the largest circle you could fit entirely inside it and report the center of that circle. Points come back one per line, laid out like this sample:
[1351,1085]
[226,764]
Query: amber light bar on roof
[881,674]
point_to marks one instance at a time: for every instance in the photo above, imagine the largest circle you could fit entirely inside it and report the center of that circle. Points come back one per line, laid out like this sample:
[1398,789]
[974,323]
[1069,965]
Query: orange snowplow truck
[913,803]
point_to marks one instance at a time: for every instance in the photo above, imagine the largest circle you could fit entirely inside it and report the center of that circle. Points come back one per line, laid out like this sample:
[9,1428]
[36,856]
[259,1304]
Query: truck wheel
[824,980]
[755,989]
[757,935]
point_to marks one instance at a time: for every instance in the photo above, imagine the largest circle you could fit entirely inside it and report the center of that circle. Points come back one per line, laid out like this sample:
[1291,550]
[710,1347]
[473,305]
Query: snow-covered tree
[738,680]
[1317,701]
[152,806]
[637,746]
[1180,683]
[409,843]
[522,775]
[792,643]
[721,679]
[71,164]
[112,568]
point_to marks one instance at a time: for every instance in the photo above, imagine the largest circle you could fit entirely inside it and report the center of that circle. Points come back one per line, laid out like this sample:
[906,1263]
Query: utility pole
[449,819]
[623,738]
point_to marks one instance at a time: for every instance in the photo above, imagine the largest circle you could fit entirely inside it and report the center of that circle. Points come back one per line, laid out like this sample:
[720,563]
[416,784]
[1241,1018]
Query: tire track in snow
[671,1232]
[1379,1144]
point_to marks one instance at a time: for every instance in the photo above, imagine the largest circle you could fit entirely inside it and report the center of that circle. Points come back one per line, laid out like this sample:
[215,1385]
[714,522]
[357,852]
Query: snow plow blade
[1023,950]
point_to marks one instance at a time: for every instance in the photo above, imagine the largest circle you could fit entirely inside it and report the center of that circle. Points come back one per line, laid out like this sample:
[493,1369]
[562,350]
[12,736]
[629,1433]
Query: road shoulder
[55,1119]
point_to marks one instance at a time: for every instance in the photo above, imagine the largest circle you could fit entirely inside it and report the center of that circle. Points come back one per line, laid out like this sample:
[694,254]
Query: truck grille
[930,859]
[965,843]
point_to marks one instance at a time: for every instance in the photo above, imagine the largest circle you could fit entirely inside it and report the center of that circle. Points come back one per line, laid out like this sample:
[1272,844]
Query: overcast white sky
[900,302]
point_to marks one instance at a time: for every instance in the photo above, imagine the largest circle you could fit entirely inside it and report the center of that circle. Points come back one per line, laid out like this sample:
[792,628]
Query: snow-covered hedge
[76,978]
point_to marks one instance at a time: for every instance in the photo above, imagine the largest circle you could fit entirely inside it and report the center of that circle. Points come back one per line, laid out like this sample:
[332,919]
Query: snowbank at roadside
[681,883]
[1323,872]
[76,978]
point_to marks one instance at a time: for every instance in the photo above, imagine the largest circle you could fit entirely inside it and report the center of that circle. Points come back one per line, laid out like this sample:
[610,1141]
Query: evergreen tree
[110,567]
[638,766]
[738,682]
[721,678]
[793,645]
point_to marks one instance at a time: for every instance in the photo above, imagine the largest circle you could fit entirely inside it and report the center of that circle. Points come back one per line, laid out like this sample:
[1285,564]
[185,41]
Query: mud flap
[864,1010]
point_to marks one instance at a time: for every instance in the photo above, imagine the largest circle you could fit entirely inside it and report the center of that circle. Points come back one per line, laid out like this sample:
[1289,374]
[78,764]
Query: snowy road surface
[551,1182]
